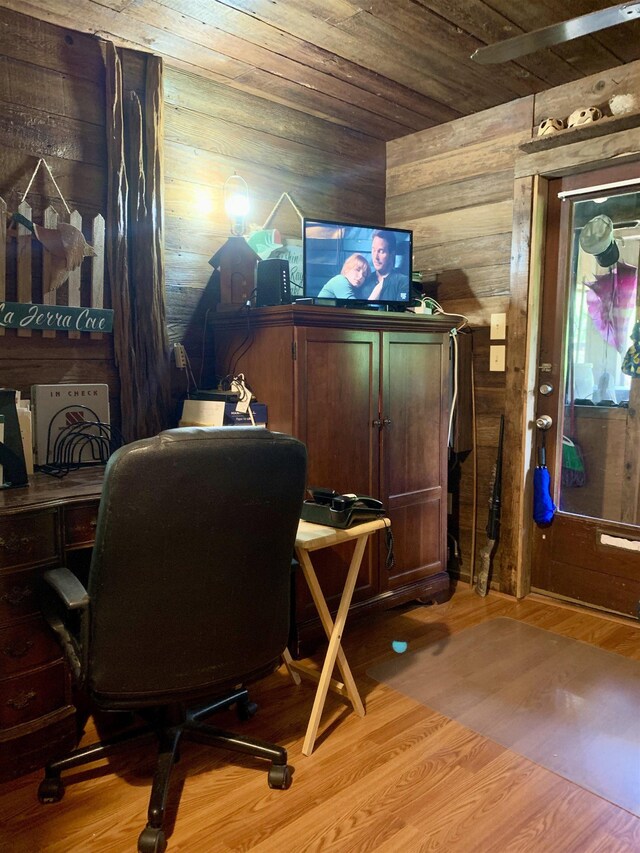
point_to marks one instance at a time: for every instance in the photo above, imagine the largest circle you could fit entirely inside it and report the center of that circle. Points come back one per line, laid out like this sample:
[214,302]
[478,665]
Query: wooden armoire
[368,393]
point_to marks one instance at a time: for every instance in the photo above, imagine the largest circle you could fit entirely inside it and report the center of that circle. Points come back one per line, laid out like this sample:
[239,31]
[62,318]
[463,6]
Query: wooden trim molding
[582,156]
[529,230]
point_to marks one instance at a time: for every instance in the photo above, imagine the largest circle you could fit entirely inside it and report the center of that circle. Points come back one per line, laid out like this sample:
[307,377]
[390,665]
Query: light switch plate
[498,327]
[497,357]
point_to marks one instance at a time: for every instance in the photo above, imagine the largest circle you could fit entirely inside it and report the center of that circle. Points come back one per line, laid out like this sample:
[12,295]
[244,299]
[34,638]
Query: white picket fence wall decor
[25,267]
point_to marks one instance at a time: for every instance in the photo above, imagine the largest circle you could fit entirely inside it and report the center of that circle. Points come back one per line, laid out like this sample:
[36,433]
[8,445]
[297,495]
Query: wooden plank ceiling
[385,68]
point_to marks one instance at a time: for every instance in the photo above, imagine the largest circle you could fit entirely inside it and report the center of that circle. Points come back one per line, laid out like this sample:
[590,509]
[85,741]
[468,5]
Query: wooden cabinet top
[299,314]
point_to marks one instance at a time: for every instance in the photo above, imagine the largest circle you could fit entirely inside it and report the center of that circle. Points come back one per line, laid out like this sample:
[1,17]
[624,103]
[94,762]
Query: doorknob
[544,422]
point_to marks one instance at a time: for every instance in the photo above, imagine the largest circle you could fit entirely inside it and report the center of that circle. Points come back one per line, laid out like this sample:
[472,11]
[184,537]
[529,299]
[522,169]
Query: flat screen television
[357,265]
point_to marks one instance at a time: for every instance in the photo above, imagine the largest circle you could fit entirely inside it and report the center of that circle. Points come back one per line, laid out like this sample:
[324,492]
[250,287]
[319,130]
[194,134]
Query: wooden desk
[47,524]
[41,526]
[312,537]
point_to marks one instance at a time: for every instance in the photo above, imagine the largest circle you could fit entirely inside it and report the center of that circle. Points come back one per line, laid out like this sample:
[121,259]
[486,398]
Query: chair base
[176,723]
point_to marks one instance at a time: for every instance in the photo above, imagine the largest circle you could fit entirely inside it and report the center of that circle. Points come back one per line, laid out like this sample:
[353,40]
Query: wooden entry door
[587,406]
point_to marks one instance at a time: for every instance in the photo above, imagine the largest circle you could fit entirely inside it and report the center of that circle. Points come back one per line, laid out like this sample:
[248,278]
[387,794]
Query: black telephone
[340,502]
[335,510]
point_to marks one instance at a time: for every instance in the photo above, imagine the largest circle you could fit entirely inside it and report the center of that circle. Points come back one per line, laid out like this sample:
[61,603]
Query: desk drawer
[32,695]
[26,748]
[25,645]
[80,525]
[19,595]
[28,539]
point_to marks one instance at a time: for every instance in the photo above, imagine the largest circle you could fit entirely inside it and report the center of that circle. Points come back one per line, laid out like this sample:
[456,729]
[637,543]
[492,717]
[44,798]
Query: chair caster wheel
[152,840]
[246,710]
[51,789]
[280,776]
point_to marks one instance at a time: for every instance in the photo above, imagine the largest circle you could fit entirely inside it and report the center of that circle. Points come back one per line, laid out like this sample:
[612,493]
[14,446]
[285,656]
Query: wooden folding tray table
[313,537]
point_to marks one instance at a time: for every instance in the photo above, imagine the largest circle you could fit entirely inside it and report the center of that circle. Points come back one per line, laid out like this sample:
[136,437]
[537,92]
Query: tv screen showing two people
[356,262]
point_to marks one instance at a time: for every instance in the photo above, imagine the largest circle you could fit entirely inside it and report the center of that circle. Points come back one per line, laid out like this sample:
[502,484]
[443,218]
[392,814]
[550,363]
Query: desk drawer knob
[18,650]
[19,702]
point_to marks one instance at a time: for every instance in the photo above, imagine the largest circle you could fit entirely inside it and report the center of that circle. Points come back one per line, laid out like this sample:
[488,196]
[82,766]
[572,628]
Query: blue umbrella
[543,505]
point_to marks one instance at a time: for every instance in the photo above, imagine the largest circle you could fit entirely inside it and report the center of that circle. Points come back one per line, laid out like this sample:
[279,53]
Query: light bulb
[236,203]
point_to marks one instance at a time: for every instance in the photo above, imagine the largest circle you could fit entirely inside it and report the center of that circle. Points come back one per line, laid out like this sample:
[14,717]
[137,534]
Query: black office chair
[188,594]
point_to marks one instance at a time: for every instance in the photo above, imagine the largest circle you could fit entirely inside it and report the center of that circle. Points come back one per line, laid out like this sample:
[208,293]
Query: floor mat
[569,706]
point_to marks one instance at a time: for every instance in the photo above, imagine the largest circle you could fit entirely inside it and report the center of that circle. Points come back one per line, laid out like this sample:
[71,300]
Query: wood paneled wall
[468,190]
[52,106]
[211,132]
[453,185]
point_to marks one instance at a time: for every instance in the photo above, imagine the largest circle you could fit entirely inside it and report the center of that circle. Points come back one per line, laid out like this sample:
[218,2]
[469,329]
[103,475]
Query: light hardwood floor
[401,779]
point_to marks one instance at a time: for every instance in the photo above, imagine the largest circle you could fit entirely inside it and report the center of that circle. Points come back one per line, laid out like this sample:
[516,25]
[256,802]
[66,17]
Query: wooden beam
[522,352]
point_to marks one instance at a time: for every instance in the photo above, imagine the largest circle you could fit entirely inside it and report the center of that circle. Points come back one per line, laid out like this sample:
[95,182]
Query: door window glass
[602,312]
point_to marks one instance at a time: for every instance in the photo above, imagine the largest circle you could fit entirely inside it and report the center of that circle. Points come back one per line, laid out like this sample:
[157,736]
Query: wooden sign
[28,315]
[26,277]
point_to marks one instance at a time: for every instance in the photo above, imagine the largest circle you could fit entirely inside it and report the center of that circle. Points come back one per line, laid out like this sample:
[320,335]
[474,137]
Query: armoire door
[337,380]
[414,453]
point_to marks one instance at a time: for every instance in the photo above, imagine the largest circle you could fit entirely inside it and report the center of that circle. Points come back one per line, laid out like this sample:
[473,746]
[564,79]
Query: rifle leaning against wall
[493,522]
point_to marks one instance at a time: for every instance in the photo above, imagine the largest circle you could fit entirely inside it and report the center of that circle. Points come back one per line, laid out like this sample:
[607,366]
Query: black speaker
[273,286]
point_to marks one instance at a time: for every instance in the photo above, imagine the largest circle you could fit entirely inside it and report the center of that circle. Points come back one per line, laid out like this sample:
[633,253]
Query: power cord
[203,350]
[438,309]
[244,346]
[435,306]
[189,371]
[454,398]
[390,560]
